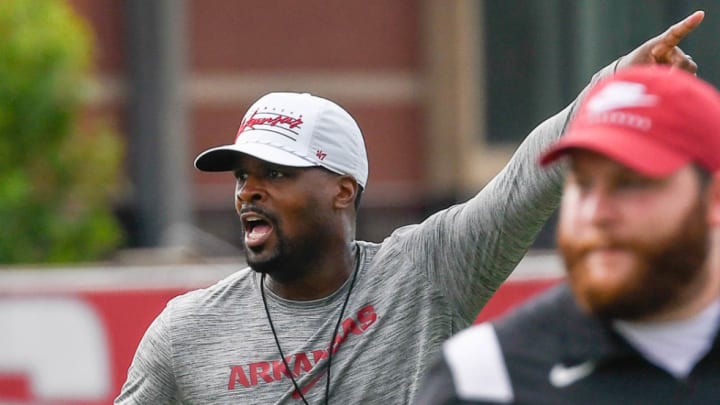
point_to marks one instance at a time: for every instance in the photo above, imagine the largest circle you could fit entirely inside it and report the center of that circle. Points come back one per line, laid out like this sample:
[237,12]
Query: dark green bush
[58,172]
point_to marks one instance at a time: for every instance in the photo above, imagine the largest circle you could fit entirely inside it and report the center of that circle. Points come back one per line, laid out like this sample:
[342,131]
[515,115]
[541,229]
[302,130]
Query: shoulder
[368,250]
[475,355]
[545,329]
[241,284]
[490,352]
[380,257]
[548,309]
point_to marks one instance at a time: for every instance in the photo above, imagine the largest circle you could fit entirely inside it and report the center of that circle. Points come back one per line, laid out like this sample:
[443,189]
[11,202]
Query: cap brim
[629,148]
[224,158]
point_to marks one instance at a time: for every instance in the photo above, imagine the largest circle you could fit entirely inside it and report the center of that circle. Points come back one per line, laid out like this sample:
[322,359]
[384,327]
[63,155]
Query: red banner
[68,337]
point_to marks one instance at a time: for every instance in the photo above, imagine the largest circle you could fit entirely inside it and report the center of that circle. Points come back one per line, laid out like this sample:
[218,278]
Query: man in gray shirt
[319,317]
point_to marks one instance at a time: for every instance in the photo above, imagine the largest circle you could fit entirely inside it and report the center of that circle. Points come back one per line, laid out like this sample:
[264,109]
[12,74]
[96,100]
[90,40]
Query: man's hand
[663,49]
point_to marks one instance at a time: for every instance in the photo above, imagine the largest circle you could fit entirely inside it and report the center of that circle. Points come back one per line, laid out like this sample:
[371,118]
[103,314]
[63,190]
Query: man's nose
[599,207]
[249,189]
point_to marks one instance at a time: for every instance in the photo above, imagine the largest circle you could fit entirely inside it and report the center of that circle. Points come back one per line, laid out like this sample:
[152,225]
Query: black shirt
[553,353]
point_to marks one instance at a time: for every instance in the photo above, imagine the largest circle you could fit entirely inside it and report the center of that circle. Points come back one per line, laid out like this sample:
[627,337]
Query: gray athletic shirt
[414,290]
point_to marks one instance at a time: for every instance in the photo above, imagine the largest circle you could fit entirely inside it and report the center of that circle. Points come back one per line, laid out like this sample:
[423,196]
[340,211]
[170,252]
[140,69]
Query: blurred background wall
[443,91]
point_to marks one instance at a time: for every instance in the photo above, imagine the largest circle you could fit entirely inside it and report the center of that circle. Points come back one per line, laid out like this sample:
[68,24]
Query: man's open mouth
[257,229]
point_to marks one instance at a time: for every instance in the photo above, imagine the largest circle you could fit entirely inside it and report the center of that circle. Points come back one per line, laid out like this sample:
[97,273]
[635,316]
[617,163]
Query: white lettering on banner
[58,343]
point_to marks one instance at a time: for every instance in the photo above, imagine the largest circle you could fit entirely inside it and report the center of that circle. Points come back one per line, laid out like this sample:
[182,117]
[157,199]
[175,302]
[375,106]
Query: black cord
[332,340]
[277,342]
[337,325]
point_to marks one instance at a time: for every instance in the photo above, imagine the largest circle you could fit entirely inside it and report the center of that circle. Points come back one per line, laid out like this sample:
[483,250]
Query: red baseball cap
[652,119]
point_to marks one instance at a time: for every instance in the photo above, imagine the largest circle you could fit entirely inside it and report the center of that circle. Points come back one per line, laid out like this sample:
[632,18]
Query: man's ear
[714,200]
[347,189]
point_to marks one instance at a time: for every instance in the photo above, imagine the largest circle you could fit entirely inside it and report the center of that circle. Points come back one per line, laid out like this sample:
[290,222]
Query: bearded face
[648,276]
[633,246]
[286,215]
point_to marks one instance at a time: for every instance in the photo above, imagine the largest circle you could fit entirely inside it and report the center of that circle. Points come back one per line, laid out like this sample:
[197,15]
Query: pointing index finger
[672,37]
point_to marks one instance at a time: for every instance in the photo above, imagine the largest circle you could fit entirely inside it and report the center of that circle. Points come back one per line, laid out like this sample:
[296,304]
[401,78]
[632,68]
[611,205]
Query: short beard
[665,270]
[292,258]
[275,260]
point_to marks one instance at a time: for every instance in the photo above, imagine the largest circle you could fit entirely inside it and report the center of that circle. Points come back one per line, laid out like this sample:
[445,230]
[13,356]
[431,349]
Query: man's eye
[583,183]
[636,182]
[275,173]
[240,176]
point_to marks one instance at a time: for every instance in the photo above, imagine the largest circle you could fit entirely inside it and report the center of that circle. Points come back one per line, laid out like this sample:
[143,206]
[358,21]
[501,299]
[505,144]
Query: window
[539,54]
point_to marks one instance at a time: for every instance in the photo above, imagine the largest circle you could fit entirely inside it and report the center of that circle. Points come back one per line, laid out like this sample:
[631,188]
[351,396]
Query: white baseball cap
[297,130]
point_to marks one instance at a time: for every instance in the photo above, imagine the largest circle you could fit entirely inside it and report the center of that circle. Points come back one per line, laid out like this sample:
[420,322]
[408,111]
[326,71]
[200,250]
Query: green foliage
[58,173]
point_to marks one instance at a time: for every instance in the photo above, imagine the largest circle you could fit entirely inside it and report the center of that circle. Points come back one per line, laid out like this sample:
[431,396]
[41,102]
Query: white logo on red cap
[620,95]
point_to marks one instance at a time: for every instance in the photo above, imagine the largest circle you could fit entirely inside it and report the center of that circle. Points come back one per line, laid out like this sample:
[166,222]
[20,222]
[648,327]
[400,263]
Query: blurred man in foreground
[639,231]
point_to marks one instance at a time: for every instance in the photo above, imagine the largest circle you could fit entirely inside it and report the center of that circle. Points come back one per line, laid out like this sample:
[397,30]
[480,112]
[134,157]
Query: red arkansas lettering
[301,362]
[279,369]
[319,355]
[366,316]
[348,326]
[260,369]
[276,370]
[237,375]
[304,390]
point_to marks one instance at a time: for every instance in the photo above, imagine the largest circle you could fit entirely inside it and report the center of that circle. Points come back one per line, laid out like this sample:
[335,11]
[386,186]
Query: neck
[320,278]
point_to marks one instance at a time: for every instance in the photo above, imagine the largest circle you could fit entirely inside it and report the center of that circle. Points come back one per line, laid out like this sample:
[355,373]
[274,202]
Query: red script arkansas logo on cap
[271,121]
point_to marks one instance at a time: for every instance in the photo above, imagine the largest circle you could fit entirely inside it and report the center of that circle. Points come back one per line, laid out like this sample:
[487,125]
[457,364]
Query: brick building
[442,89]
